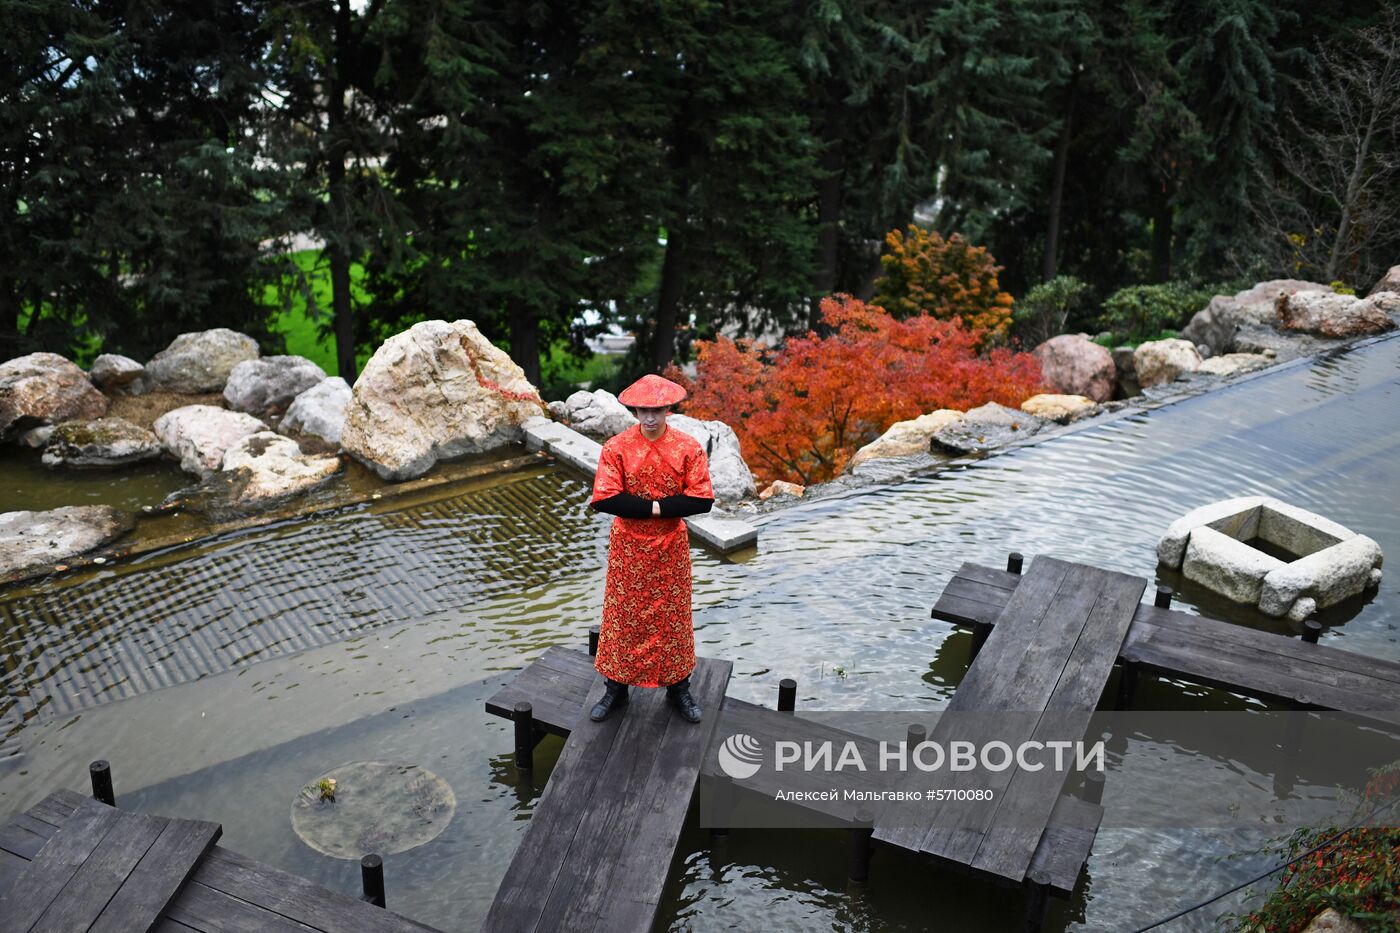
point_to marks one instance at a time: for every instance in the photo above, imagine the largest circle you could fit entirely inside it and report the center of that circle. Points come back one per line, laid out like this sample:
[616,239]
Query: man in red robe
[650,477]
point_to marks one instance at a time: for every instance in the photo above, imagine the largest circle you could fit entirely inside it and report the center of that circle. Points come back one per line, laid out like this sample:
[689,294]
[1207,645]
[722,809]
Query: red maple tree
[802,410]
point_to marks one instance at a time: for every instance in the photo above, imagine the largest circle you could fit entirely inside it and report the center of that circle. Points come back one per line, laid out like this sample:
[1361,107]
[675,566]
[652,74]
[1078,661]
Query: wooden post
[1127,684]
[593,641]
[722,799]
[861,848]
[916,734]
[522,716]
[372,879]
[981,631]
[1014,560]
[1311,630]
[101,773]
[787,695]
[1164,597]
[1093,787]
[1036,901]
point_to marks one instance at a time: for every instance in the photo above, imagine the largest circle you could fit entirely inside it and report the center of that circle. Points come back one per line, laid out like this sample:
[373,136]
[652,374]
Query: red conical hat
[651,391]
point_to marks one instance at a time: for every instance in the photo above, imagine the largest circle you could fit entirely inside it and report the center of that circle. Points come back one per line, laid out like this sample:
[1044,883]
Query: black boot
[679,696]
[615,698]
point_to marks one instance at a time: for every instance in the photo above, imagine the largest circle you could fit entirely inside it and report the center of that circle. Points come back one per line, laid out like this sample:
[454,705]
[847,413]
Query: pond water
[380,630]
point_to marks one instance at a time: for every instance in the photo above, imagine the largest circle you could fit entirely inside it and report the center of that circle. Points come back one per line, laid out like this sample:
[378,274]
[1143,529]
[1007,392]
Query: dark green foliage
[1140,312]
[1047,308]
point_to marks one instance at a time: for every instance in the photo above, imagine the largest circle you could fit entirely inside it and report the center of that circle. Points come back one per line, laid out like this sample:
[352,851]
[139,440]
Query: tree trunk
[1334,259]
[668,303]
[343,310]
[1161,270]
[525,338]
[1050,262]
[829,191]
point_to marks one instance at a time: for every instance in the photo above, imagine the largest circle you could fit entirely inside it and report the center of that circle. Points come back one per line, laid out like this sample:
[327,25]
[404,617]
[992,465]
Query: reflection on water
[837,596]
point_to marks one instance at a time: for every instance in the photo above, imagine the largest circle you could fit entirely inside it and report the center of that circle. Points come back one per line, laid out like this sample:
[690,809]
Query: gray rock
[268,385]
[1161,361]
[1232,363]
[1338,316]
[598,414]
[986,428]
[1070,364]
[319,411]
[199,362]
[729,474]
[198,435]
[113,373]
[32,541]
[45,388]
[440,389]
[1247,314]
[1390,282]
[36,437]
[270,467]
[106,442]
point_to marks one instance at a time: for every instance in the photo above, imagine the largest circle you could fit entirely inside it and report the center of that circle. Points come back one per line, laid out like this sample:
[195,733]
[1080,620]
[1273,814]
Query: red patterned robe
[646,638]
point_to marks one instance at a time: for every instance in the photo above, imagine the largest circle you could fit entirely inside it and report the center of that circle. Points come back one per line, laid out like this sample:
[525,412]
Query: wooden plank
[293,897]
[1231,657]
[164,868]
[611,814]
[102,875]
[1024,810]
[1046,626]
[200,907]
[1065,846]
[57,806]
[55,865]
[637,848]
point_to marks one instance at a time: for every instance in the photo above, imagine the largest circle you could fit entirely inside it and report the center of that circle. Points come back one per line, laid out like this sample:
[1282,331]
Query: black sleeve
[625,505]
[680,506]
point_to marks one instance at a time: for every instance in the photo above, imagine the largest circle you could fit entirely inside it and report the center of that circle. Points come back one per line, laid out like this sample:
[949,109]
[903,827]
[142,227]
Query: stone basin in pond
[381,807]
[1261,551]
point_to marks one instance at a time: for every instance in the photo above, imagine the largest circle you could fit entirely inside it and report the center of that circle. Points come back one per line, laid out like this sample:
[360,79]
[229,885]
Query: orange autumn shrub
[926,274]
[801,411]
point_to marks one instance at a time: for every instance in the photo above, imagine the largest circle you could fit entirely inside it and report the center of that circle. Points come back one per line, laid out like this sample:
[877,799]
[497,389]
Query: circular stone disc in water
[380,807]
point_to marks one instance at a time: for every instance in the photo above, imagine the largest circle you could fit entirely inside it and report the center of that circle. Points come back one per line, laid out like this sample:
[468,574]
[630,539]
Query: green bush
[1043,311]
[1138,312]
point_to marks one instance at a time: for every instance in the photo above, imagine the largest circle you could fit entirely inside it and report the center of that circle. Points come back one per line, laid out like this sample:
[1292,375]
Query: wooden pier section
[1045,645]
[70,864]
[1207,651]
[600,842]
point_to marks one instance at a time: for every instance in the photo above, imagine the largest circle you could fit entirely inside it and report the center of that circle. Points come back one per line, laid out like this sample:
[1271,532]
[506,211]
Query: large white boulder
[319,411]
[729,474]
[440,389]
[32,541]
[1390,282]
[45,388]
[905,438]
[199,362]
[1162,361]
[199,435]
[106,442]
[269,384]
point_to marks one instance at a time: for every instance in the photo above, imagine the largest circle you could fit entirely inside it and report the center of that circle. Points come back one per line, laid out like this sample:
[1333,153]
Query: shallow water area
[218,678]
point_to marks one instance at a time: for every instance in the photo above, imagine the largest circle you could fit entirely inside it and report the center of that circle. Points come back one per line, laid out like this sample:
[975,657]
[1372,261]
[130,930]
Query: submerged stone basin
[1261,551]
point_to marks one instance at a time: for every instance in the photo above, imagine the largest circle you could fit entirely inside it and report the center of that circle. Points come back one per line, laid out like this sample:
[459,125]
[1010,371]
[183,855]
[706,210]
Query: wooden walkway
[601,838]
[1210,652]
[557,685]
[1058,637]
[70,864]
